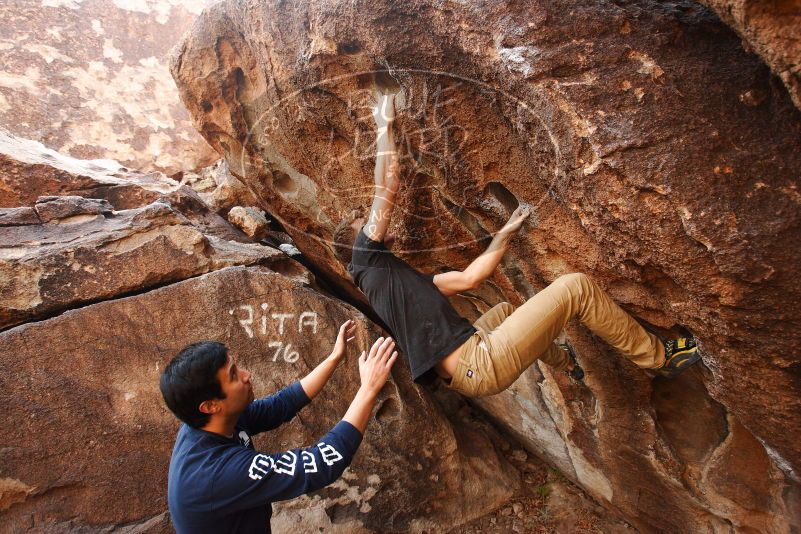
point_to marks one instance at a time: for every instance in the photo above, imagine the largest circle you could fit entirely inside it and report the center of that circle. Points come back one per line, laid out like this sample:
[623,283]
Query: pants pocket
[476,374]
[467,377]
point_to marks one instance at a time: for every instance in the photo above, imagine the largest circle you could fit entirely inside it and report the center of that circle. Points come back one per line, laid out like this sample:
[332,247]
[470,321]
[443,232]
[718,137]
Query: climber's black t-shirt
[425,325]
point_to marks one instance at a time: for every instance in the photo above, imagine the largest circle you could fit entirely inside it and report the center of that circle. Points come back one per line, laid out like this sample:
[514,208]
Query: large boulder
[632,132]
[89,78]
[87,438]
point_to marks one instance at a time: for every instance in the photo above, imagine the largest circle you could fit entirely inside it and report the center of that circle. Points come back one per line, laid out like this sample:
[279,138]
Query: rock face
[109,296]
[218,188]
[633,132]
[88,78]
[772,29]
[82,255]
[252,221]
[96,431]
[74,248]
[29,170]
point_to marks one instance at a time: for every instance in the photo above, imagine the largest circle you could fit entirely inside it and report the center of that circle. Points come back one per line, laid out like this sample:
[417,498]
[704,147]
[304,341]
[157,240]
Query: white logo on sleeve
[260,466]
[244,439]
[309,462]
[286,463]
[329,453]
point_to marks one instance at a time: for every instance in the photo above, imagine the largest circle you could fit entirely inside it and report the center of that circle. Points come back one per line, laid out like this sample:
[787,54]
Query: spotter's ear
[210,407]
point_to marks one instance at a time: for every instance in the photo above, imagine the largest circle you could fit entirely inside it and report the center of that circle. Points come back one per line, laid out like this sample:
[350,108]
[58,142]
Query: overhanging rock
[629,130]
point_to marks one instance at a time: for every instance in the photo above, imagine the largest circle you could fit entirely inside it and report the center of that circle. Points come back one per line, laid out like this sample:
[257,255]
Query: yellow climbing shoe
[680,354]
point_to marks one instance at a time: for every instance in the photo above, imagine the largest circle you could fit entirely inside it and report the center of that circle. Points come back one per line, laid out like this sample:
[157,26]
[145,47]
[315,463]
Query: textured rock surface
[219,188]
[252,221]
[771,29]
[71,248]
[86,430]
[85,256]
[29,170]
[630,130]
[54,209]
[88,78]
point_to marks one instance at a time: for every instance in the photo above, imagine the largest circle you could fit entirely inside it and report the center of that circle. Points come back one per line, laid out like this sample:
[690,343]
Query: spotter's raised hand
[374,366]
[344,337]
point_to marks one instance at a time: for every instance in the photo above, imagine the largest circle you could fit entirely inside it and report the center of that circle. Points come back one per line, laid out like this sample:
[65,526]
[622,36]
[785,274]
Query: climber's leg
[474,369]
[493,318]
[553,355]
[528,333]
[478,373]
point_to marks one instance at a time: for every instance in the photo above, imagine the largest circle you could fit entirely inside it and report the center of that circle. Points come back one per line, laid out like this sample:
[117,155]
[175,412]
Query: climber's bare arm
[481,268]
[387,170]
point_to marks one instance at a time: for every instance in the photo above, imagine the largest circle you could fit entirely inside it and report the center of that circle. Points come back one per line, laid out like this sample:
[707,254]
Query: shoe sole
[681,361]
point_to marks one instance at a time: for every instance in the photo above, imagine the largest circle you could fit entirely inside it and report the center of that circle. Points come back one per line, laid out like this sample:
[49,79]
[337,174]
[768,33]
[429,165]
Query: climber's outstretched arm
[481,268]
[387,170]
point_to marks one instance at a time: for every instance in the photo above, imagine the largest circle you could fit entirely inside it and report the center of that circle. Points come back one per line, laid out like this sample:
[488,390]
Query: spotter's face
[236,385]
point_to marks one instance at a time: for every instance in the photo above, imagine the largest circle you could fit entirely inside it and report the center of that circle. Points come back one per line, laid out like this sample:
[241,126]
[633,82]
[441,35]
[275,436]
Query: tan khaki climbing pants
[508,341]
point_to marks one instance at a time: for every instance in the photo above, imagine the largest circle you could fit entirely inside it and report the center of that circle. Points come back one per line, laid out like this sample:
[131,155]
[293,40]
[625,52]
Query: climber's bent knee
[573,279]
[507,309]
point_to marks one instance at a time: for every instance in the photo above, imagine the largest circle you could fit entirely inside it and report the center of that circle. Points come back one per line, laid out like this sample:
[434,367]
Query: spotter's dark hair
[191,378]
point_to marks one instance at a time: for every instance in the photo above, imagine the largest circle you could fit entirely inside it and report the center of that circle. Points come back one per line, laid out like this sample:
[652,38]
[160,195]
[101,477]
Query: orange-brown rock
[80,252]
[251,221]
[89,79]
[659,157]
[29,170]
[219,188]
[87,439]
[772,30]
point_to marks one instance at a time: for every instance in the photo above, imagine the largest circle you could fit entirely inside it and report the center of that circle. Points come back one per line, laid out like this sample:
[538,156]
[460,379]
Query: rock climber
[486,357]
[217,481]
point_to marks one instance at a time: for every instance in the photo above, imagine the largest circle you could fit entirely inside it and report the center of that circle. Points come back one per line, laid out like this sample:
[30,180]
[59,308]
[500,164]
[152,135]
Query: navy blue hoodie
[218,484]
